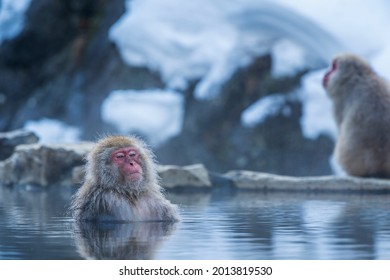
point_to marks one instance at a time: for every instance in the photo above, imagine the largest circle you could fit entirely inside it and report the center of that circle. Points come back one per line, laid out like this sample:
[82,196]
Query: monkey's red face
[129,163]
[328,74]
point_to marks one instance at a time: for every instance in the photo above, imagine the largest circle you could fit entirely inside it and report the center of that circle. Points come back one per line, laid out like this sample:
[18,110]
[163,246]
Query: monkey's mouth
[134,176]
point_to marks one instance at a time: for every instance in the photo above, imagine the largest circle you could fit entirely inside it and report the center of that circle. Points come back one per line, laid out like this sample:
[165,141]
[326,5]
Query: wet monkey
[121,185]
[361,107]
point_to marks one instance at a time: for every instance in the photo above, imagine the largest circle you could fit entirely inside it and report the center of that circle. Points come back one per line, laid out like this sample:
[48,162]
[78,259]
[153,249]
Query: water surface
[34,224]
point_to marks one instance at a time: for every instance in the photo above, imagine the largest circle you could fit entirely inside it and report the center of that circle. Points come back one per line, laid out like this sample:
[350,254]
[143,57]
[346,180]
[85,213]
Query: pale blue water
[245,225]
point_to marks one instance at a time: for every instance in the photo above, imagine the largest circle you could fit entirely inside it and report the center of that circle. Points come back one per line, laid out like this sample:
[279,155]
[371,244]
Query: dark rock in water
[9,140]
[43,165]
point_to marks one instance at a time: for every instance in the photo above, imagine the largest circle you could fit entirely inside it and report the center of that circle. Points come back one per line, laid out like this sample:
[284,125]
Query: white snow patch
[53,131]
[317,117]
[156,114]
[206,40]
[336,167]
[265,107]
[12,17]
[381,61]
[287,59]
[359,24]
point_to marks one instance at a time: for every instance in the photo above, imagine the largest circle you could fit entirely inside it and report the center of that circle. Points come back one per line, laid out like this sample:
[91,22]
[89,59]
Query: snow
[207,40]
[317,109]
[381,60]
[155,114]
[288,58]
[179,46]
[53,131]
[267,106]
[359,24]
[12,17]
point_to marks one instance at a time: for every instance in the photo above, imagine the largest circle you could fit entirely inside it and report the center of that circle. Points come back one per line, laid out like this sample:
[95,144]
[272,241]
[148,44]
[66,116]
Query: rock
[63,164]
[59,75]
[43,165]
[9,140]
[173,176]
[218,137]
[250,180]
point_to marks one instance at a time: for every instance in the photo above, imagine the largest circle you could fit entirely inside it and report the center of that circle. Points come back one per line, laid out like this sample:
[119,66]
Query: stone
[43,164]
[64,165]
[9,140]
[195,176]
[250,180]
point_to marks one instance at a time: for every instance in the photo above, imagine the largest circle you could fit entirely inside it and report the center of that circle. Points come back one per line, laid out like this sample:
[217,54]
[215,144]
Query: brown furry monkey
[361,105]
[121,185]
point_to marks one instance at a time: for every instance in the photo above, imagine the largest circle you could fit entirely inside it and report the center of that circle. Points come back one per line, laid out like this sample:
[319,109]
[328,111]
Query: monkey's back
[363,145]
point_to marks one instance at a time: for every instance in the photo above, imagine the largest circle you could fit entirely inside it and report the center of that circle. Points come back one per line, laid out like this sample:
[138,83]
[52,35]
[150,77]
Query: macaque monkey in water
[361,107]
[121,185]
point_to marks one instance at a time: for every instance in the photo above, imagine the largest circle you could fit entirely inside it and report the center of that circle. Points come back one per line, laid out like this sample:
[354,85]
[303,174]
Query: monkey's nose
[129,161]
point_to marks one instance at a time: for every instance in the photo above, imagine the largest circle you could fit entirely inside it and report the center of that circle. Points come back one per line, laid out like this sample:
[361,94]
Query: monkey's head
[122,162]
[345,69]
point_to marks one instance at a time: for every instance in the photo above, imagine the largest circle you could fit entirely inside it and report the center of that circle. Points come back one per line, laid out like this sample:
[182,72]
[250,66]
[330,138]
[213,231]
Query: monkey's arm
[93,206]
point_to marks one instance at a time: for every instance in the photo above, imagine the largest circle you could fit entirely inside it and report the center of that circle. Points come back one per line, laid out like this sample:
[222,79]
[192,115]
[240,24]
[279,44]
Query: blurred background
[231,84]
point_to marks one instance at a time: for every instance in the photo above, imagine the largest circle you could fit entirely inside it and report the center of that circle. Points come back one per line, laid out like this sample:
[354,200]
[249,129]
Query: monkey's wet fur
[122,185]
[361,107]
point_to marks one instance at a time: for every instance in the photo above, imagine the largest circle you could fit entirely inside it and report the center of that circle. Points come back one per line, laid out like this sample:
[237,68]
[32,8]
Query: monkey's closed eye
[120,155]
[132,154]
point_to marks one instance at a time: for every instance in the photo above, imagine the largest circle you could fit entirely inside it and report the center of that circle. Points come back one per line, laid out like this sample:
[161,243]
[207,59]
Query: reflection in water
[251,225]
[119,241]
[34,225]
[243,225]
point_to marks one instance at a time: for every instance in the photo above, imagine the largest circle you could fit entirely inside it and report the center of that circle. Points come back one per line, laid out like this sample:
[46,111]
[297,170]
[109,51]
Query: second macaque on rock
[361,105]
[121,185]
